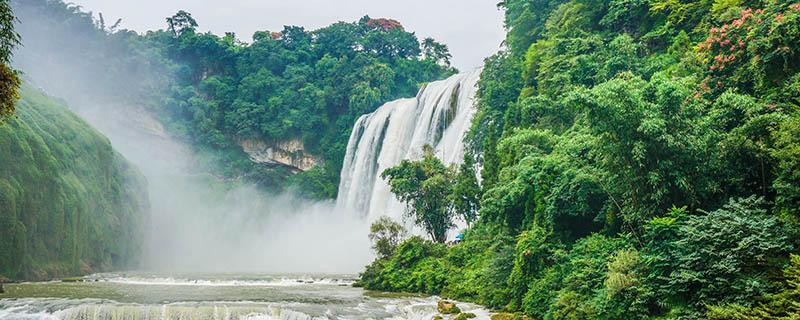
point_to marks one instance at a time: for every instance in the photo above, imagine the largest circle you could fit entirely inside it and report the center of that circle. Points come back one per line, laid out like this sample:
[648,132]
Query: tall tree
[437,52]
[9,79]
[426,187]
[182,22]
[386,235]
[466,191]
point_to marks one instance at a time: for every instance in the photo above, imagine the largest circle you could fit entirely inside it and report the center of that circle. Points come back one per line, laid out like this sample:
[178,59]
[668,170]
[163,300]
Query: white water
[229,296]
[439,116]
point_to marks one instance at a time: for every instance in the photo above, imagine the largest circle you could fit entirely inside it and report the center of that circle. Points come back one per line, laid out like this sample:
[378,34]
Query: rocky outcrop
[447,307]
[465,316]
[290,153]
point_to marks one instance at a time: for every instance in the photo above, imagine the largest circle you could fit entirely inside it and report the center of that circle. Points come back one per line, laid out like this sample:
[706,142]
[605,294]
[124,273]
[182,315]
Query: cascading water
[228,296]
[439,116]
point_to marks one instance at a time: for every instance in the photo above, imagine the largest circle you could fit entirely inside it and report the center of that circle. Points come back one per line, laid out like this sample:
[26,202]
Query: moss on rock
[447,307]
[69,203]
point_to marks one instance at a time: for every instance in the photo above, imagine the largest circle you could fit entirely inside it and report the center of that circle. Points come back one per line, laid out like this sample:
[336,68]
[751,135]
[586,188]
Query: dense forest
[629,159]
[638,159]
[216,91]
[69,203]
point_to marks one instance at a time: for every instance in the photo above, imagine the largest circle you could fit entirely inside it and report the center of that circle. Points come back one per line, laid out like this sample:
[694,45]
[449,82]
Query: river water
[134,296]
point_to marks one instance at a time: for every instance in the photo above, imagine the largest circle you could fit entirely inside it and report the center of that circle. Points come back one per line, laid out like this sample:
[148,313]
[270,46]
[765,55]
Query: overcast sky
[472,29]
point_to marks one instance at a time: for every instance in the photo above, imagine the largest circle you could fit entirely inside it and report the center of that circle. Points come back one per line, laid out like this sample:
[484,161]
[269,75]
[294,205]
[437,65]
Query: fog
[197,221]
[203,224]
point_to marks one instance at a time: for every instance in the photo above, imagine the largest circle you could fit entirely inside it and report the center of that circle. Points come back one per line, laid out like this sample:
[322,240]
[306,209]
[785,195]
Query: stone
[503,316]
[290,153]
[465,316]
[447,307]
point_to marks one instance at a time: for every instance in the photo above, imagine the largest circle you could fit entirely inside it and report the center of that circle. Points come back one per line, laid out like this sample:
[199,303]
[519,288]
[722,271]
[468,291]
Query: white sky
[472,29]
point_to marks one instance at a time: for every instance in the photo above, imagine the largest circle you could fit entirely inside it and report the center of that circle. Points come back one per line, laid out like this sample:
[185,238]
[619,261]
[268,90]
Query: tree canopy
[9,79]
[215,90]
[638,160]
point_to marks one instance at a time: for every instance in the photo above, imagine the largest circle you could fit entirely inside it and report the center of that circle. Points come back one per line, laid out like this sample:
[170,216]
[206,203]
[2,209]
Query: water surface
[212,296]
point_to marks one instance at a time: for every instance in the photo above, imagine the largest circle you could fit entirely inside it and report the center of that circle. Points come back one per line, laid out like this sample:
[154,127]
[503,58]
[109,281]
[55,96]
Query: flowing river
[133,296]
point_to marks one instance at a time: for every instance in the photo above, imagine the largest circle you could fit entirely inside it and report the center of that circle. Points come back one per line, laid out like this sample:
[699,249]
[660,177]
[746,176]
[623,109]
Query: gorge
[613,160]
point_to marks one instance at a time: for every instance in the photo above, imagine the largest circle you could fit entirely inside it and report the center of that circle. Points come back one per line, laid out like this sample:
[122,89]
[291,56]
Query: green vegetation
[386,235]
[9,79]
[435,193]
[465,316]
[639,160]
[69,203]
[425,187]
[214,91]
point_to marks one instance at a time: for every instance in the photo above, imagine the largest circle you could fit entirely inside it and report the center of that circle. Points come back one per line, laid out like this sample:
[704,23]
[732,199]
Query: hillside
[275,107]
[639,160]
[69,203]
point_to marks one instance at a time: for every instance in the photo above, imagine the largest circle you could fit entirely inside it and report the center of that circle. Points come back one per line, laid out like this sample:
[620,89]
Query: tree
[386,235]
[435,51]
[9,79]
[725,256]
[466,191]
[787,183]
[778,306]
[182,22]
[426,187]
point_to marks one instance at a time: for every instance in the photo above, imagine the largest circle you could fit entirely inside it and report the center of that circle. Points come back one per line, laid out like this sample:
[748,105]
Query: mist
[201,223]
[198,222]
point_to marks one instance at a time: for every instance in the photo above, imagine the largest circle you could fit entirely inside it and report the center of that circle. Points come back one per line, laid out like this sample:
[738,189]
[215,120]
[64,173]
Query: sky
[472,29]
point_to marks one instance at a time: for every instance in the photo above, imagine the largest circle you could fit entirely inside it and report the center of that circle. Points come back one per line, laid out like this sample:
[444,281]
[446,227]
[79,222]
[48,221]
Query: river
[138,295]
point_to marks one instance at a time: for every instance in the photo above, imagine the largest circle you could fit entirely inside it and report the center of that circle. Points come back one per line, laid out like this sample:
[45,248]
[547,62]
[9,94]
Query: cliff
[289,153]
[69,203]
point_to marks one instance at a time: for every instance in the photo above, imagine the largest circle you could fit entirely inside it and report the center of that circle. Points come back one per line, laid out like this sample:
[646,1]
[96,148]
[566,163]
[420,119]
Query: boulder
[503,316]
[465,316]
[447,307]
[509,316]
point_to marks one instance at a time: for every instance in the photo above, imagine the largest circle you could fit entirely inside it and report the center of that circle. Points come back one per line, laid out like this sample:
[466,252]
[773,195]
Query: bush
[729,255]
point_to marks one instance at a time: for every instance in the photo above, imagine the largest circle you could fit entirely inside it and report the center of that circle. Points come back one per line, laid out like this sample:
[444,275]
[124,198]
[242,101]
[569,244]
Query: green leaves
[181,23]
[727,255]
[427,187]
[9,78]
[787,182]
[386,235]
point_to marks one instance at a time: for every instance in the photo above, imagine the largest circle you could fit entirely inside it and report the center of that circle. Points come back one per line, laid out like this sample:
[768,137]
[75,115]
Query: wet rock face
[290,153]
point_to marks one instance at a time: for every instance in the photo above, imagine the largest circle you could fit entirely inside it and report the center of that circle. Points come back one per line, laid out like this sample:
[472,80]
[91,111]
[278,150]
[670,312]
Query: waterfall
[439,115]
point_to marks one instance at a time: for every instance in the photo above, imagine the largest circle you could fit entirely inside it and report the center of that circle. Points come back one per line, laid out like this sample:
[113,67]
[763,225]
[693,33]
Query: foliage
[728,255]
[386,235]
[9,91]
[69,203]
[426,187]
[782,305]
[634,165]
[467,191]
[787,182]
[414,267]
[9,79]
[216,91]
[622,271]
[182,22]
